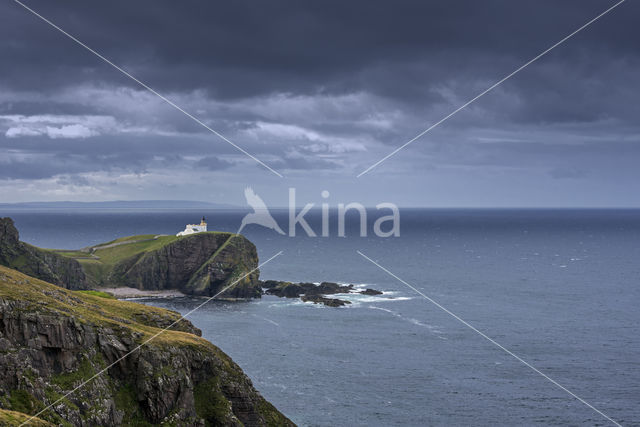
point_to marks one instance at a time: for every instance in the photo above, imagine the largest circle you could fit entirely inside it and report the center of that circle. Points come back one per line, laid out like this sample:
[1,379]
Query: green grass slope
[13,418]
[54,339]
[198,264]
[95,308]
[100,260]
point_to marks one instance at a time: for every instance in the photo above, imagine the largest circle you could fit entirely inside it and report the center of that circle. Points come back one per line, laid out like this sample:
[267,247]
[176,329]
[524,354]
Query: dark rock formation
[319,299]
[42,264]
[52,340]
[294,290]
[370,292]
[201,264]
[311,292]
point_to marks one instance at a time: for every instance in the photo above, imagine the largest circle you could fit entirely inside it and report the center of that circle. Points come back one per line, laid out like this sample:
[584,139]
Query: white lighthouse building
[194,228]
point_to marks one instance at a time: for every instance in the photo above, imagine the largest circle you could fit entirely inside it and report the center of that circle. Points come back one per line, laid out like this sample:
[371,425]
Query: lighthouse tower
[194,228]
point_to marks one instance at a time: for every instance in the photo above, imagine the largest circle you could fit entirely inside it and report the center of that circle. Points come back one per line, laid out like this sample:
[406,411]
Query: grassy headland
[55,339]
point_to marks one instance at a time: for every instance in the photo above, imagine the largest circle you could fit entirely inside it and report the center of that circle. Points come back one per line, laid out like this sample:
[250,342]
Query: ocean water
[559,288]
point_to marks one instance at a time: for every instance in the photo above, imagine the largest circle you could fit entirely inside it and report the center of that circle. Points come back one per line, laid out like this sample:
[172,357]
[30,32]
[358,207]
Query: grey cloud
[325,87]
[213,163]
[57,126]
[559,173]
[305,163]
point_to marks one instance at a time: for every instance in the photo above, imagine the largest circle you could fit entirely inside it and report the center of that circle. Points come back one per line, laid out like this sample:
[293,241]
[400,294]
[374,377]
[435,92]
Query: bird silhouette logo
[260,214]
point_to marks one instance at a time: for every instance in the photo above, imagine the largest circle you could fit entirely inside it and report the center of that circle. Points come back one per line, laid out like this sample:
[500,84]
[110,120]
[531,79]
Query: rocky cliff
[200,264]
[52,340]
[36,262]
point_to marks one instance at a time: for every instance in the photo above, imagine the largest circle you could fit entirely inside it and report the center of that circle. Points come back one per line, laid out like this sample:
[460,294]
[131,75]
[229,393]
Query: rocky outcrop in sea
[311,292]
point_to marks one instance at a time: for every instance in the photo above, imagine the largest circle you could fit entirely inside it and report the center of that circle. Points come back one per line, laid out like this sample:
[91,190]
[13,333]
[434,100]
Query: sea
[488,317]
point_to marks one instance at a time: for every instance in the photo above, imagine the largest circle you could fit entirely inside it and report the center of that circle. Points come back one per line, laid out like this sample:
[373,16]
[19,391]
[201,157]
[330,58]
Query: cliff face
[199,264]
[36,262]
[53,339]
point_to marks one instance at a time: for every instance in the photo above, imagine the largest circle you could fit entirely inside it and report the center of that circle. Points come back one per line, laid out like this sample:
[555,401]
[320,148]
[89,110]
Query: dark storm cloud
[325,86]
[243,48]
[400,50]
[403,52]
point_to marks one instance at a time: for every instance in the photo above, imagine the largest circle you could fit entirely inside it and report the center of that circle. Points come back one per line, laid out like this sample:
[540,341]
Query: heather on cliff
[53,339]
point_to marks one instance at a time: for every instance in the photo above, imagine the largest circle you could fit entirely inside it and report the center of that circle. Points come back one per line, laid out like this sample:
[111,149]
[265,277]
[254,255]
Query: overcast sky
[319,91]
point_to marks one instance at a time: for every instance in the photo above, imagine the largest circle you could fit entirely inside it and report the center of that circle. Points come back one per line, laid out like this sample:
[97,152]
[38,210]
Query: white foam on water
[357,285]
[360,298]
[413,321]
[384,309]
[268,320]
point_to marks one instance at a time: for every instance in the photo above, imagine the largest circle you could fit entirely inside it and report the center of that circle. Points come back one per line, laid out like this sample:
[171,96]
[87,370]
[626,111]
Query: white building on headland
[194,228]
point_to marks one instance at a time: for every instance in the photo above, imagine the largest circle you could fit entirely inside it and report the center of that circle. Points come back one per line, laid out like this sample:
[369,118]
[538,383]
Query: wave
[411,320]
[266,319]
[356,297]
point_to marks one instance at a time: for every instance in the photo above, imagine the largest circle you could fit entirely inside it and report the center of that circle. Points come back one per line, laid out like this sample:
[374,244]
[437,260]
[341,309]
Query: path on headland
[91,249]
[126,242]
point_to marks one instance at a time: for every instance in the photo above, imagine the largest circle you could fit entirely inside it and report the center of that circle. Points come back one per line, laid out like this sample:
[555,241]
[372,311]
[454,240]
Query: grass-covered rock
[199,264]
[52,340]
[41,263]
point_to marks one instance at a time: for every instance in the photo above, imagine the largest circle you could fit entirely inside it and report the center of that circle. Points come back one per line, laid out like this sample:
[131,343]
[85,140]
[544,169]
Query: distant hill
[120,204]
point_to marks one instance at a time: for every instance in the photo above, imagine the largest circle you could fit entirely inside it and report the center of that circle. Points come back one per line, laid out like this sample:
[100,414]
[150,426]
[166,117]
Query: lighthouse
[194,228]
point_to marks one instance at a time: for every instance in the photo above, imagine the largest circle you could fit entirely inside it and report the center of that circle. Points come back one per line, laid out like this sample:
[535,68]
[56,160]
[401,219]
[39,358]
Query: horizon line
[231,206]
